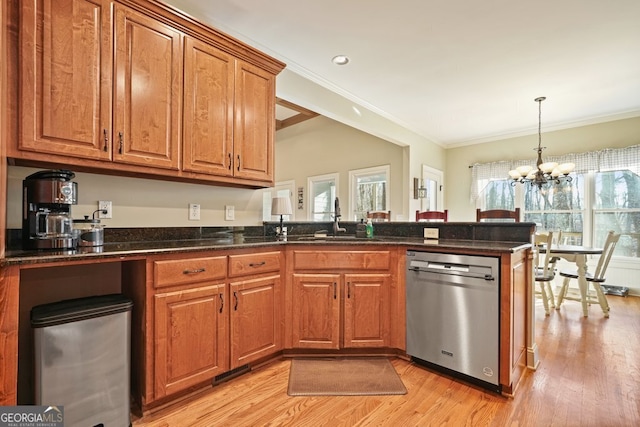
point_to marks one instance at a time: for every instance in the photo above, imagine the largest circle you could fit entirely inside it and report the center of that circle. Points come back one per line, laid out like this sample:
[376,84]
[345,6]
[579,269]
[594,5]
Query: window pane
[323,197]
[370,193]
[617,208]
[558,207]
[499,194]
[617,190]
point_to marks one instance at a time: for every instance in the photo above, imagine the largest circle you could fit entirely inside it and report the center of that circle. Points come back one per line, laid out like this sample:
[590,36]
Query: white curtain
[607,159]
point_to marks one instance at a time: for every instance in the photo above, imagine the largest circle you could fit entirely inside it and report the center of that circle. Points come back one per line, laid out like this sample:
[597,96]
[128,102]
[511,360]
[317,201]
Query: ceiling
[455,72]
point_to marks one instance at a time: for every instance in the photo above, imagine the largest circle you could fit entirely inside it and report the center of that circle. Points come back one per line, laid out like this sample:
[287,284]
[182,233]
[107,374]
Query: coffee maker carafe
[46,209]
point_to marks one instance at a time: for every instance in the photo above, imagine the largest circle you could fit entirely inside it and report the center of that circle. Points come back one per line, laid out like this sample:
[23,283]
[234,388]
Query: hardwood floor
[589,375]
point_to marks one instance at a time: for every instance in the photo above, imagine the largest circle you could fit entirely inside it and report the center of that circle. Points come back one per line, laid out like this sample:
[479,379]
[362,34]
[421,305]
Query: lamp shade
[281,206]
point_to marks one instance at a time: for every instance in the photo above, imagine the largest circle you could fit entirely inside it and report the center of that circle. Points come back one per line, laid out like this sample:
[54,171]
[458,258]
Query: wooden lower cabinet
[334,311]
[209,314]
[191,330]
[256,328]
[341,297]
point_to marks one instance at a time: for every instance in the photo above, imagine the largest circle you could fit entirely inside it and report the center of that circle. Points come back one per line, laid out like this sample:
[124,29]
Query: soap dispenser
[369,228]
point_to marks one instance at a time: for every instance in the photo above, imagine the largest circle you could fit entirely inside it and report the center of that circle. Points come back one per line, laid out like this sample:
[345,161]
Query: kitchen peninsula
[181,277]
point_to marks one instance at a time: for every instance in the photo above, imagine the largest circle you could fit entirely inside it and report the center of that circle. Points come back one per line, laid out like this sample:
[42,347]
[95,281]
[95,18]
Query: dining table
[578,255]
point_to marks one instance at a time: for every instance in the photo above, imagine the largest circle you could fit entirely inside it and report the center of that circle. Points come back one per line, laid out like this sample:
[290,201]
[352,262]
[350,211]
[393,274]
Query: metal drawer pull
[221,302]
[257,264]
[198,270]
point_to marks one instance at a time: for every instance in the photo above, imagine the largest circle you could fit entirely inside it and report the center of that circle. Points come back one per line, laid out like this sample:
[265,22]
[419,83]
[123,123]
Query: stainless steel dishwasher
[453,322]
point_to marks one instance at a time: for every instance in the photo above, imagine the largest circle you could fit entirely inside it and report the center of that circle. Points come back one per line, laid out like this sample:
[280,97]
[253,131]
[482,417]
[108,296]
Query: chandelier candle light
[543,173]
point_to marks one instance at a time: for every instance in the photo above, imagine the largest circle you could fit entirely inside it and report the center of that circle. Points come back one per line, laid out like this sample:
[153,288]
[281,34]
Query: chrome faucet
[336,226]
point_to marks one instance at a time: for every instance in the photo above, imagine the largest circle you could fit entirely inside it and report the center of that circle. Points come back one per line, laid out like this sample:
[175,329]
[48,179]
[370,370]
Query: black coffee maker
[47,197]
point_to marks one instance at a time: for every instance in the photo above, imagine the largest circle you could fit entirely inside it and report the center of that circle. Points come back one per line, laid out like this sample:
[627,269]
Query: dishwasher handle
[487,277]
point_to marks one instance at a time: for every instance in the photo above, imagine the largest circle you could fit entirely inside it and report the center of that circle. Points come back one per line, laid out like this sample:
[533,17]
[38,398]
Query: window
[432,179]
[558,207]
[617,207]
[604,195]
[368,191]
[322,194]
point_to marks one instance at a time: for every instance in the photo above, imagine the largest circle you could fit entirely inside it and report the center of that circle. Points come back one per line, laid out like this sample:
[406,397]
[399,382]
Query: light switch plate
[431,233]
[229,213]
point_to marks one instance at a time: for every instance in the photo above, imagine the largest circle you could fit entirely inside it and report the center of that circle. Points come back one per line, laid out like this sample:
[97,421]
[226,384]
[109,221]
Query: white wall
[145,202]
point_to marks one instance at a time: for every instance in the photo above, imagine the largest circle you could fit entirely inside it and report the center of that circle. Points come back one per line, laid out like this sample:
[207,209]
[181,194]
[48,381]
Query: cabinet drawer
[189,270]
[243,265]
[335,260]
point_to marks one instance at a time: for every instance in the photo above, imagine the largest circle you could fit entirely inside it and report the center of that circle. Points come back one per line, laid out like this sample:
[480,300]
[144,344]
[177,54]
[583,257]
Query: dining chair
[432,215]
[544,268]
[593,280]
[498,214]
[379,215]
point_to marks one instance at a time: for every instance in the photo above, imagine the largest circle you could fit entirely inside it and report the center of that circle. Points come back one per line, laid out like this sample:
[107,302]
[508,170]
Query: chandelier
[544,172]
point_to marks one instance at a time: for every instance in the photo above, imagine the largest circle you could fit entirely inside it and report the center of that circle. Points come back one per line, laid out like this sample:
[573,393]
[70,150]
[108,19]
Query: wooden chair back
[432,215]
[379,215]
[609,246]
[499,214]
[544,262]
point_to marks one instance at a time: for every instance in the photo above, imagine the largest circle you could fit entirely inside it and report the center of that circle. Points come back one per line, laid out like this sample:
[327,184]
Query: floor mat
[352,376]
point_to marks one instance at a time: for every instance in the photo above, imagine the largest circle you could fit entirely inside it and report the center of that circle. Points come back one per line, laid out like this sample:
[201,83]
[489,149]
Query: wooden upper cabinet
[254,123]
[65,77]
[132,87]
[229,115]
[208,109]
[148,66]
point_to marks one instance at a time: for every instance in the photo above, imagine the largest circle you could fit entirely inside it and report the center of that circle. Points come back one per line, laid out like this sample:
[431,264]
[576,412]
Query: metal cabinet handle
[120,142]
[230,161]
[235,296]
[106,139]
[197,270]
[257,264]
[238,162]
[348,289]
[221,301]
[335,290]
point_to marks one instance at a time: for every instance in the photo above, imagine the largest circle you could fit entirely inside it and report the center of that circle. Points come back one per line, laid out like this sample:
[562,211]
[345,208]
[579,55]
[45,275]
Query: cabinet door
[207,144]
[191,338]
[366,310]
[254,123]
[66,77]
[256,326]
[148,67]
[316,311]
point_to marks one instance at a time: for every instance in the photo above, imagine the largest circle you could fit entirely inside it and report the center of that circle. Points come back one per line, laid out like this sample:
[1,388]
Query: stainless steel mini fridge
[82,359]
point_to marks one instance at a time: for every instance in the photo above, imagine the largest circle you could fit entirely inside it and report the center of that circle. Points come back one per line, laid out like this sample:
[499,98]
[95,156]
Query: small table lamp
[281,206]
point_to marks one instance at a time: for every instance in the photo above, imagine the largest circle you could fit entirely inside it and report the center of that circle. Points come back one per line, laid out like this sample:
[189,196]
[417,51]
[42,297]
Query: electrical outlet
[104,205]
[229,213]
[194,212]
[431,233]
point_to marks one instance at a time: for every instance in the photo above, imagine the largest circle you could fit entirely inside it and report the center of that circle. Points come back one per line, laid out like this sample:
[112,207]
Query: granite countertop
[238,241]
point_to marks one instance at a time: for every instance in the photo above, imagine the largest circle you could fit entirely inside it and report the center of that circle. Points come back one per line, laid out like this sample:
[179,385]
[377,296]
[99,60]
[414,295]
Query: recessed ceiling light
[340,60]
